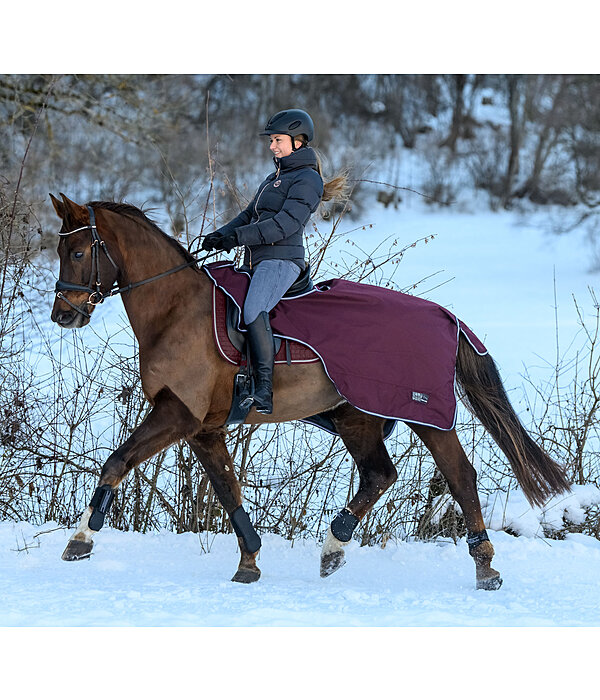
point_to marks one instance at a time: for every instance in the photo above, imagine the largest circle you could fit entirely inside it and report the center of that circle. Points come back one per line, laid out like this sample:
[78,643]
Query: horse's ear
[58,206]
[73,210]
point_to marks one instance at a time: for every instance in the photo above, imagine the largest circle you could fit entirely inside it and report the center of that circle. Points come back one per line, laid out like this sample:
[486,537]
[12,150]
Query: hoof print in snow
[490,584]
[331,562]
[76,550]
[246,576]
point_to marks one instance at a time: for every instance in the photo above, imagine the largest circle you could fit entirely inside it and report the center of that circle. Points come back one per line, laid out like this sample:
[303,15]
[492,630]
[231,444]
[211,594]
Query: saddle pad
[387,353]
[298,353]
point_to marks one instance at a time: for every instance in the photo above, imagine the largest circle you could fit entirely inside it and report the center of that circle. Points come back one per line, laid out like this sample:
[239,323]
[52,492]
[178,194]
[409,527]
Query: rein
[96,295]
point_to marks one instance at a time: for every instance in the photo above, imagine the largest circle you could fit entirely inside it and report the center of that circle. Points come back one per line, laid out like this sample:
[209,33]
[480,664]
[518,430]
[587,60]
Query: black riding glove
[226,242]
[209,242]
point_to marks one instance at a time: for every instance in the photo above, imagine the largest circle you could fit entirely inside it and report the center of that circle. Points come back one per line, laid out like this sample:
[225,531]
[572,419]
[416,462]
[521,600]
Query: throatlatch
[343,525]
[243,528]
[101,503]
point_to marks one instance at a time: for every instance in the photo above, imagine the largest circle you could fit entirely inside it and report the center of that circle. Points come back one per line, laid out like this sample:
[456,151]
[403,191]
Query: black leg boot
[262,356]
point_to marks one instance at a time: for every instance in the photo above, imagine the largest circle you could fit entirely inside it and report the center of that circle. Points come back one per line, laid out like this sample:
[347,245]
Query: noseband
[97,296]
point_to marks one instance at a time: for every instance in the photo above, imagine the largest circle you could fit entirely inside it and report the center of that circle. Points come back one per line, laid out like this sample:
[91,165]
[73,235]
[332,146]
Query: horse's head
[86,269]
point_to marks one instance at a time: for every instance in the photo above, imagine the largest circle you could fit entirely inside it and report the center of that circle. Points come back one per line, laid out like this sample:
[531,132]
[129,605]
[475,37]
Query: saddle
[292,352]
[231,340]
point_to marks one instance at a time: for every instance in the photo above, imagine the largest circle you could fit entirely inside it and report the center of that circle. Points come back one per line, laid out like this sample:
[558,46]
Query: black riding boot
[262,356]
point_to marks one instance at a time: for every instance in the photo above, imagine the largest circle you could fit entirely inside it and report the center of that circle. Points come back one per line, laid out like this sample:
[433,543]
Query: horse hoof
[76,550]
[331,562]
[246,576]
[489,584]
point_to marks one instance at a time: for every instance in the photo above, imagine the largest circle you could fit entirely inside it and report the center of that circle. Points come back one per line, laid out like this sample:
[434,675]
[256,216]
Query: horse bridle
[96,295]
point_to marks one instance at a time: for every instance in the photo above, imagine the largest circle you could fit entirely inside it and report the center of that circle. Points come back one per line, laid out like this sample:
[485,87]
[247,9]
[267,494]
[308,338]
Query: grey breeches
[270,281]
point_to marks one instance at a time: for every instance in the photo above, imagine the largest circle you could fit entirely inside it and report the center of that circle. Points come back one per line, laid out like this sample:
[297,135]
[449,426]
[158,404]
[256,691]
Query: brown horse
[189,387]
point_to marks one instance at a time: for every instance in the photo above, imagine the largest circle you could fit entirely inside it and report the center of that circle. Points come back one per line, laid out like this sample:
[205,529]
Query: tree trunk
[517,123]
[546,140]
[458,113]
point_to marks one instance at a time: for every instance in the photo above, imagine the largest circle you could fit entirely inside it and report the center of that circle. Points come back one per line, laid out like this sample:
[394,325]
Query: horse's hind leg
[363,436]
[212,452]
[168,421]
[452,461]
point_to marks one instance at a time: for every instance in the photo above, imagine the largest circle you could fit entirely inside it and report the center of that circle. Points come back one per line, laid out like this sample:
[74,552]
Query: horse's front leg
[167,422]
[212,452]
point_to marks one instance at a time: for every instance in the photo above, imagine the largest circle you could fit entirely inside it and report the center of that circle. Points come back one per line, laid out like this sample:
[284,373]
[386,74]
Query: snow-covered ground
[162,579]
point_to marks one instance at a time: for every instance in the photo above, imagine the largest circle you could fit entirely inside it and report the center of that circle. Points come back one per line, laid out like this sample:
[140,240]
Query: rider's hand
[226,242]
[209,242]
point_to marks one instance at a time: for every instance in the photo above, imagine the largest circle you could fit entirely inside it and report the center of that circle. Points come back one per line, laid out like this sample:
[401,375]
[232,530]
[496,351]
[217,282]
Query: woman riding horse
[271,229]
[189,386]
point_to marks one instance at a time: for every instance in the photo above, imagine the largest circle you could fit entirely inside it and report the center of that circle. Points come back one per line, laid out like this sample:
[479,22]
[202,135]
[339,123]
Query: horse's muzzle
[69,317]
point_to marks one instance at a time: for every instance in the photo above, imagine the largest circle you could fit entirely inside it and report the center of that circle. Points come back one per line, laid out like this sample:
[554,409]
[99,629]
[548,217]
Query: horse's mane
[133,212]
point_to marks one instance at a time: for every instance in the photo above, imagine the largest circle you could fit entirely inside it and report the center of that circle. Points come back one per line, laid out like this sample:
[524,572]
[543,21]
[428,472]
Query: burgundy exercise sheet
[388,353]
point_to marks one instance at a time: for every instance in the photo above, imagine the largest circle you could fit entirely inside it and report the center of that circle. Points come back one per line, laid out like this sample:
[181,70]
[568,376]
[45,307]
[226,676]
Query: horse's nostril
[62,317]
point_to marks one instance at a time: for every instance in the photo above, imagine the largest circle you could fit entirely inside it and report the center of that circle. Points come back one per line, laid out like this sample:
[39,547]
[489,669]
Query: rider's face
[281,145]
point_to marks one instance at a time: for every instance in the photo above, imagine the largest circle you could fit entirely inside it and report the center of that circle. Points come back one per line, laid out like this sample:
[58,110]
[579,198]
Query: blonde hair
[335,188]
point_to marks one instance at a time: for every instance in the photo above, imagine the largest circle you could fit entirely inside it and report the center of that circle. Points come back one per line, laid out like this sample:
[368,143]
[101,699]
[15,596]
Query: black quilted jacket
[272,225]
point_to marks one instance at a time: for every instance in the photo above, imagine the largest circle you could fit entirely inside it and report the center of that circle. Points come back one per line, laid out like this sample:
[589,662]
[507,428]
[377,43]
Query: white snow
[164,579]
[513,512]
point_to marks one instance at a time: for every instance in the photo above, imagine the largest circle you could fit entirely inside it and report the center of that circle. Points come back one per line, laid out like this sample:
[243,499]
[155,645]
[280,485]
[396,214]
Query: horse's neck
[143,254]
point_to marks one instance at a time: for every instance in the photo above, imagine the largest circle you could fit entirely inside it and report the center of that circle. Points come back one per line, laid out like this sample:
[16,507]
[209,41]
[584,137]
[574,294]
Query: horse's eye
[77,255]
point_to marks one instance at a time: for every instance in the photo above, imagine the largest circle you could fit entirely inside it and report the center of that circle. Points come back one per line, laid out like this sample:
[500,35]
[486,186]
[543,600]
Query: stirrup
[247,403]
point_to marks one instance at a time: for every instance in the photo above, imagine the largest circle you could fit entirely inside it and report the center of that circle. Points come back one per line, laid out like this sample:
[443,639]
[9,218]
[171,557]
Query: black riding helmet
[293,122]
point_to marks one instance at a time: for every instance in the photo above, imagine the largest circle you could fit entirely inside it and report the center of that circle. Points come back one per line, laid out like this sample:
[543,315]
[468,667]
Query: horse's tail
[537,473]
